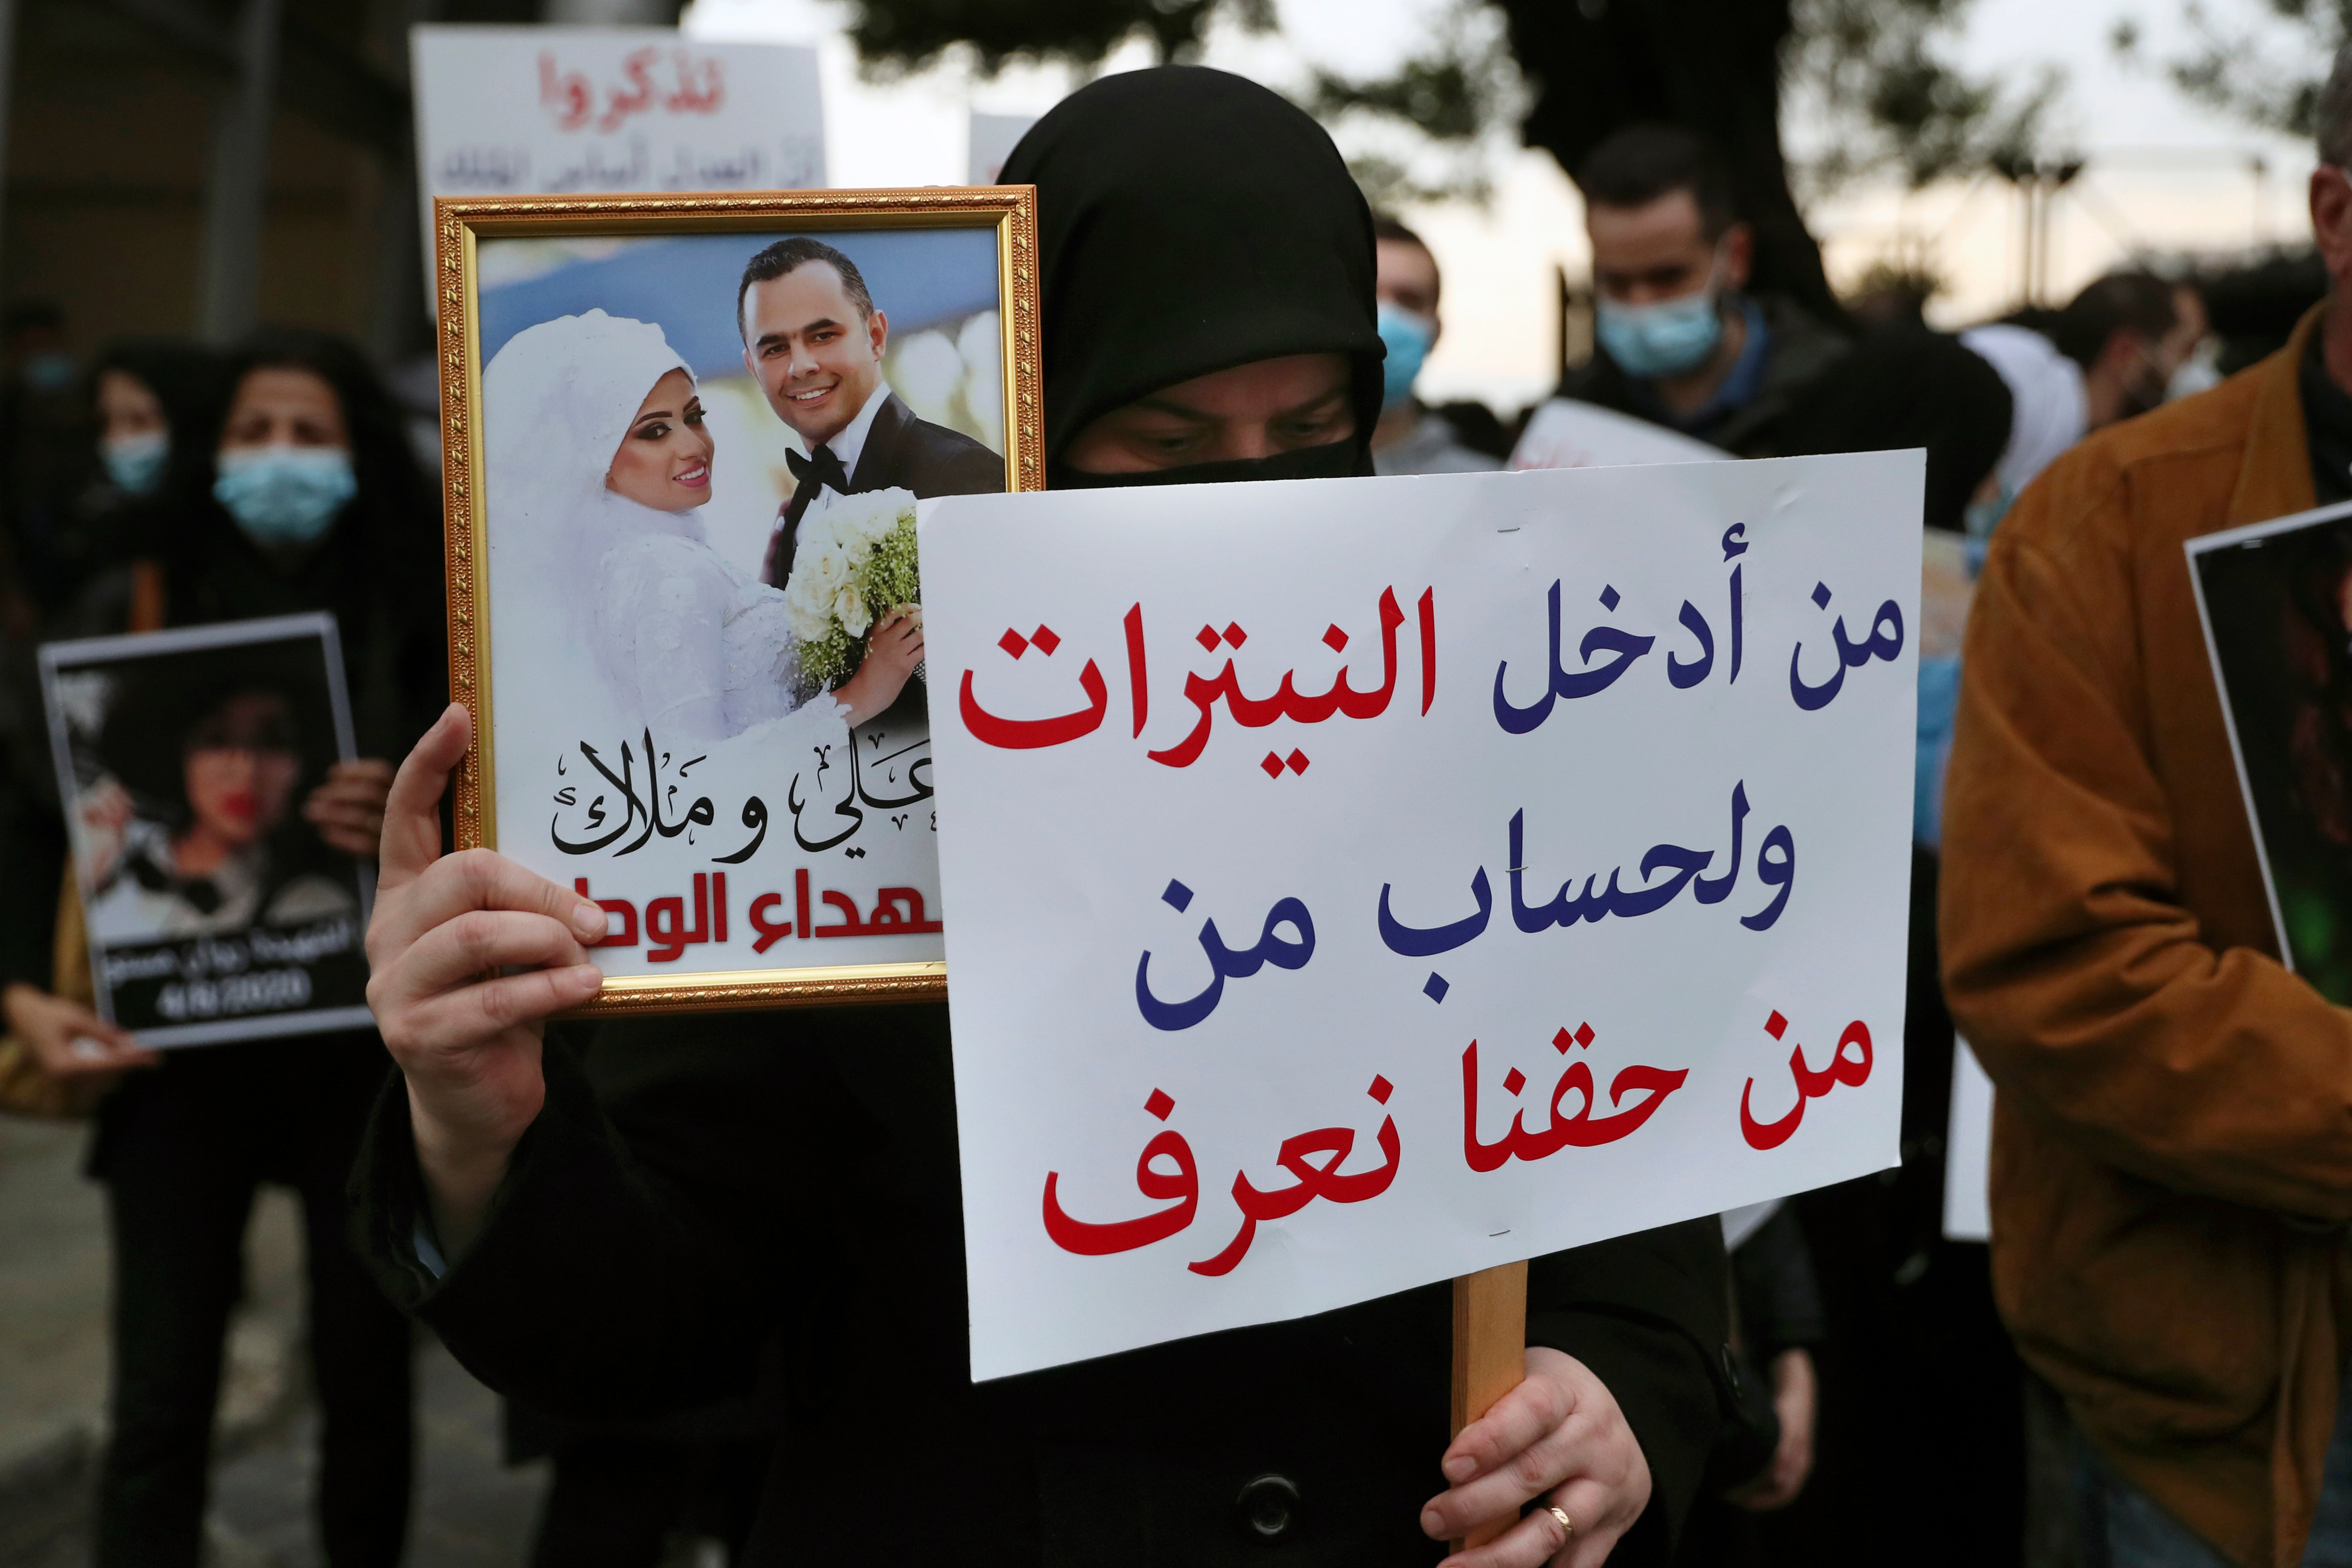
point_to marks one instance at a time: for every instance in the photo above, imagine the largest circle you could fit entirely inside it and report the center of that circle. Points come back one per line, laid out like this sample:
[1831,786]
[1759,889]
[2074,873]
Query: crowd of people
[642,1233]
[1881,1384]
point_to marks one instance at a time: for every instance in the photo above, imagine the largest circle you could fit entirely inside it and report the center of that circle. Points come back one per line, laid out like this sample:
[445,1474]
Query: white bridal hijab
[675,638]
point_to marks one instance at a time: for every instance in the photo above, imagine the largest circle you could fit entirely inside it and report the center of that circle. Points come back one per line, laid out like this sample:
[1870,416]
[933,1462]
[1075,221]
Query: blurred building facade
[200,165]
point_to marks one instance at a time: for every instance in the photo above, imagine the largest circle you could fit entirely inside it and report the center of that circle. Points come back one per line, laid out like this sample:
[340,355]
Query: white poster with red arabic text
[533,110]
[1355,883]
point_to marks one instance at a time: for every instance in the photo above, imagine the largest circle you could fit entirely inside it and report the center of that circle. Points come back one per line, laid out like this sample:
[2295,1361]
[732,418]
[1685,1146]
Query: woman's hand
[468,1045]
[348,809]
[1793,1400]
[1559,1439]
[106,813]
[892,651]
[66,1038]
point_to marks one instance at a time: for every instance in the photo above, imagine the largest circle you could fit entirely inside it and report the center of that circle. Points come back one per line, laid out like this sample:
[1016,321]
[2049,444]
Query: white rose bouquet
[855,562]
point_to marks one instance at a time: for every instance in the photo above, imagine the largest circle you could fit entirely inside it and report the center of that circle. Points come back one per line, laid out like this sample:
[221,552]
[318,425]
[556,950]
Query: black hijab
[388,535]
[1189,221]
[1910,387]
[114,526]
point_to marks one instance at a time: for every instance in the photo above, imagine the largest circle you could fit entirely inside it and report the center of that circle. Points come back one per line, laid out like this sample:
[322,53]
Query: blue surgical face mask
[51,371]
[1668,338]
[136,463]
[1979,518]
[1408,336]
[285,495]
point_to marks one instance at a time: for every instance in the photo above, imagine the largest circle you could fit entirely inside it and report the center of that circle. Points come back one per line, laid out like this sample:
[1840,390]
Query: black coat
[901,452]
[640,1261]
[378,575]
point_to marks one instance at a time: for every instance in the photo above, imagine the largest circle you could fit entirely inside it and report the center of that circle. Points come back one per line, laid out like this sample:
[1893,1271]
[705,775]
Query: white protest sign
[1967,1150]
[565,111]
[1356,883]
[1563,433]
[992,139]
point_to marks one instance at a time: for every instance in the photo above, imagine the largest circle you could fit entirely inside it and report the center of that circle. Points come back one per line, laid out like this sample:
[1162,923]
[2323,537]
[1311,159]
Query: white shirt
[850,445]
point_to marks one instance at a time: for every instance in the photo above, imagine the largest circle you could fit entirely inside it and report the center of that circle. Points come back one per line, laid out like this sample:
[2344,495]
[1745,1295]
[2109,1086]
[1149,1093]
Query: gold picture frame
[463,227]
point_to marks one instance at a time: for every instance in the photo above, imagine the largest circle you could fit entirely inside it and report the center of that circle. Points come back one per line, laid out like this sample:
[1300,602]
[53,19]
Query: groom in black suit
[814,341]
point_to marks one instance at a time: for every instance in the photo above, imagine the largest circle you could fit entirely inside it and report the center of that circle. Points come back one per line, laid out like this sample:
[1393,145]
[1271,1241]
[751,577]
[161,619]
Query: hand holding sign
[1558,1439]
[468,1045]
[348,809]
[66,1038]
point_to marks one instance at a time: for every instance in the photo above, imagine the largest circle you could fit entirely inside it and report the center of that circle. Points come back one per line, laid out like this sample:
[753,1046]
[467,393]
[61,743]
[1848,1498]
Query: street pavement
[471,1513]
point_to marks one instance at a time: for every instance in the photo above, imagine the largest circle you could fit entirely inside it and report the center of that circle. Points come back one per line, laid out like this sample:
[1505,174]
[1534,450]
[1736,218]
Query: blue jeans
[2123,1527]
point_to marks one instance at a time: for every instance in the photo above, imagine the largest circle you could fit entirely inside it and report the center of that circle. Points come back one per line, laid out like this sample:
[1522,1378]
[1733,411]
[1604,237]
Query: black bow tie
[820,467]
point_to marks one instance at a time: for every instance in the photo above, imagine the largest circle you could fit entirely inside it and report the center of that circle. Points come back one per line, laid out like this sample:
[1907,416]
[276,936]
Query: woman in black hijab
[1206,270]
[1191,223]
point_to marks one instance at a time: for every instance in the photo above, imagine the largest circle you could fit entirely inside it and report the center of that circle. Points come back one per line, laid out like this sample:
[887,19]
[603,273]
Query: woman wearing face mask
[815,1198]
[142,391]
[134,430]
[601,463]
[304,497]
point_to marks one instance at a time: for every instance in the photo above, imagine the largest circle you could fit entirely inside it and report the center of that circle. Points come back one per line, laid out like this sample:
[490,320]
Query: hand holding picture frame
[683,441]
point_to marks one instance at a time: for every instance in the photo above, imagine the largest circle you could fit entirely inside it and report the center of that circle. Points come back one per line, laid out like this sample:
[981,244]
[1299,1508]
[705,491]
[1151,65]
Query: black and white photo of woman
[193,828]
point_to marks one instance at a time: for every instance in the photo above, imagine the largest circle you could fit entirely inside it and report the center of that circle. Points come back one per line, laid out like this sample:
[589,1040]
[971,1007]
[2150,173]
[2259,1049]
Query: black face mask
[1332,461]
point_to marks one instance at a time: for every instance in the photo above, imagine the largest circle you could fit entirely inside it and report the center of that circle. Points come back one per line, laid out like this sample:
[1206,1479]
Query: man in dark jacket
[1677,341]
[814,339]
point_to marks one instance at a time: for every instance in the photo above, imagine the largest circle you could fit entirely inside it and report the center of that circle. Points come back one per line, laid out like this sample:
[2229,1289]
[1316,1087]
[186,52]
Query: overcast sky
[2163,172]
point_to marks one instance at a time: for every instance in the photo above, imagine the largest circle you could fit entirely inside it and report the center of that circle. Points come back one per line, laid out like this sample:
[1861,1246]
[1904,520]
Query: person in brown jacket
[2172,1138]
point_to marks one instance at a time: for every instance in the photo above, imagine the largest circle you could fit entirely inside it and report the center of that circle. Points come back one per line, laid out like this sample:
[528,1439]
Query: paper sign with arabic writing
[1356,883]
[506,111]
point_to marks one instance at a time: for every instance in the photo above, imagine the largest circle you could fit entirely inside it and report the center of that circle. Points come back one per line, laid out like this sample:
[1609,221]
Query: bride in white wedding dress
[598,461]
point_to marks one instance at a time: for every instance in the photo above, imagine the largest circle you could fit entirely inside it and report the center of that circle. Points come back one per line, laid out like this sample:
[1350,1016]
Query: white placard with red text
[1355,883]
[506,111]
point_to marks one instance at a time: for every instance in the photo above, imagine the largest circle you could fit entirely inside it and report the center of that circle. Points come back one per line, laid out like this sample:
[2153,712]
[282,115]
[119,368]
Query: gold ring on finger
[1566,1524]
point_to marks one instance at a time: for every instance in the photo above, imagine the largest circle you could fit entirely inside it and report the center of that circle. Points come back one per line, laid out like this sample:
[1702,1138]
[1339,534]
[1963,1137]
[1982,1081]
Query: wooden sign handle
[1490,1344]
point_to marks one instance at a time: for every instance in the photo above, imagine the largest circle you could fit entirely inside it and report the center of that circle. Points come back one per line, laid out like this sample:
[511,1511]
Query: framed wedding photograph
[684,438]
[215,910]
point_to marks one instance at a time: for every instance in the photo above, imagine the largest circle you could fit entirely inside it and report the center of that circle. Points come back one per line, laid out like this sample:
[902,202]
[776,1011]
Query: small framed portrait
[215,910]
[2275,600]
[684,442]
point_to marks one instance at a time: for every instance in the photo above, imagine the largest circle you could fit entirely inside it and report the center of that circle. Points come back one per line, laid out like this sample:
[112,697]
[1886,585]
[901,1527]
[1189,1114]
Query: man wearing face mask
[2127,333]
[1411,438]
[1678,341]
